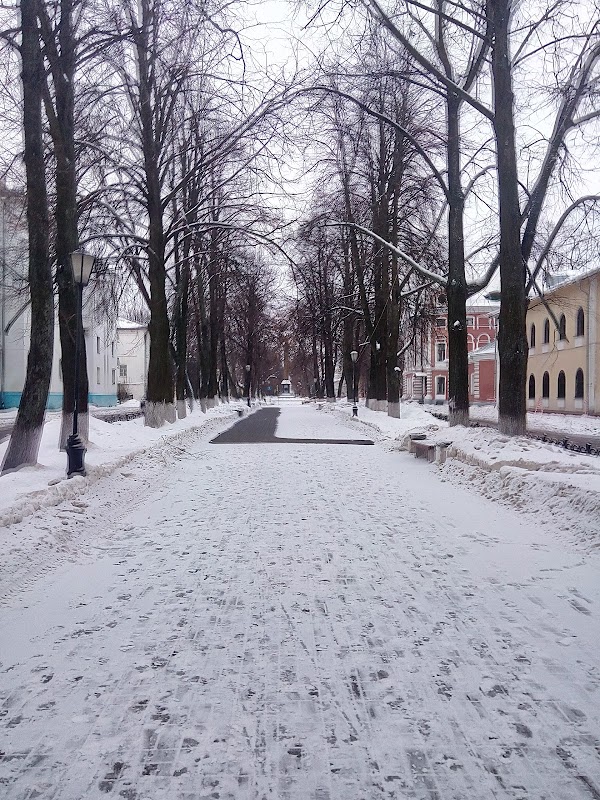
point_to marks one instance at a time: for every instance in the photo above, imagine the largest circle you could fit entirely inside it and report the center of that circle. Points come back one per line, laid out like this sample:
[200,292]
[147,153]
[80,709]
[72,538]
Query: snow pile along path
[535,477]
[111,445]
[300,622]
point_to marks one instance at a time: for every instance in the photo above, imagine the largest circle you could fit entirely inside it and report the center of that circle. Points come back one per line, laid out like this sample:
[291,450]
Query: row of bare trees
[442,159]
[437,100]
[145,142]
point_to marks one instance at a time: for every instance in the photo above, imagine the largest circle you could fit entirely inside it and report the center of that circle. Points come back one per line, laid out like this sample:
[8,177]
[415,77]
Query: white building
[133,345]
[15,316]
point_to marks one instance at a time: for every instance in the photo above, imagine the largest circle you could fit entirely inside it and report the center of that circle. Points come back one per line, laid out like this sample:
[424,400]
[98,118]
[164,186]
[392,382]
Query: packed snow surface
[304,622]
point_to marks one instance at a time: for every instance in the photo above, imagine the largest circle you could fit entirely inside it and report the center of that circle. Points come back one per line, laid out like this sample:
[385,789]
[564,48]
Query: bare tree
[24,443]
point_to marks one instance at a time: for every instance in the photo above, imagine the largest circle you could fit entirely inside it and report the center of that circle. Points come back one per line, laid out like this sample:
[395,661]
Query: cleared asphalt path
[260,428]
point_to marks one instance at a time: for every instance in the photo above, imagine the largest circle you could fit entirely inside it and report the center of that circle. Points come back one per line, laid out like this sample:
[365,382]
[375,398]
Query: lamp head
[354,356]
[247,367]
[82,265]
[494,296]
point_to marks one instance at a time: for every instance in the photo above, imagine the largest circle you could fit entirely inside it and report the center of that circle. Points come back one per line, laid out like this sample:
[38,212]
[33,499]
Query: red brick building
[426,365]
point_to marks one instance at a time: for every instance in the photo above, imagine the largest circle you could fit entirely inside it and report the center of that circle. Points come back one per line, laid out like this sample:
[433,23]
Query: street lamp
[82,265]
[248,379]
[354,357]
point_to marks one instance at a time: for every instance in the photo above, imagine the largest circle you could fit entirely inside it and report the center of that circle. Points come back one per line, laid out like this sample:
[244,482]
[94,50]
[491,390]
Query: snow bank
[533,476]
[111,446]
[560,423]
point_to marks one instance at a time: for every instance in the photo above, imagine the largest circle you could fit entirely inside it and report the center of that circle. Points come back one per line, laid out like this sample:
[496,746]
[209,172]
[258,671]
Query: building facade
[99,320]
[132,355]
[563,372]
[426,363]
[100,346]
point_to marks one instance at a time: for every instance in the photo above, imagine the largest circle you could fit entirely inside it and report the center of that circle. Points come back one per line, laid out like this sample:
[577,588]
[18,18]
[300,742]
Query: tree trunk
[393,377]
[62,129]
[224,370]
[315,355]
[203,338]
[181,324]
[213,285]
[512,337]
[377,391]
[159,403]
[24,443]
[456,290]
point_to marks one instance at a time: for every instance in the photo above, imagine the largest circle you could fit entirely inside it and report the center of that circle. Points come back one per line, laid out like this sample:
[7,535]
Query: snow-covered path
[302,622]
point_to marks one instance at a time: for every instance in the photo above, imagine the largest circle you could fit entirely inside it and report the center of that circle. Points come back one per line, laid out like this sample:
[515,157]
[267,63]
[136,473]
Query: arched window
[562,327]
[562,386]
[579,384]
[546,385]
[532,387]
[546,331]
[532,337]
[580,330]
[483,339]
[470,342]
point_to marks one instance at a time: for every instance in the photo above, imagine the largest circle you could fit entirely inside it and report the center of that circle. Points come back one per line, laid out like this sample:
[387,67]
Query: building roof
[126,324]
[568,281]
[483,353]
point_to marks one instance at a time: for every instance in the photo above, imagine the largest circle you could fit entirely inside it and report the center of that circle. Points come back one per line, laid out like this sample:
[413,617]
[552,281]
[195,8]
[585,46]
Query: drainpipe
[592,347]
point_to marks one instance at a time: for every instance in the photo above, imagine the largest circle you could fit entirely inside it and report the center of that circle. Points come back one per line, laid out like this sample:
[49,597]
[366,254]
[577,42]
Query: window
[98,375]
[114,376]
[97,344]
[483,339]
[440,351]
[562,327]
[546,331]
[123,371]
[112,349]
[470,342]
[562,386]
[532,387]
[441,300]
[580,329]
[60,375]
[532,337]
[470,322]
[440,385]
[440,322]
[579,384]
[546,385]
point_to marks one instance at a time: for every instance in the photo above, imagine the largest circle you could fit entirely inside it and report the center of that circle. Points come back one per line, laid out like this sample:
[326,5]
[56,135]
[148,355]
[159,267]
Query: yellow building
[564,361]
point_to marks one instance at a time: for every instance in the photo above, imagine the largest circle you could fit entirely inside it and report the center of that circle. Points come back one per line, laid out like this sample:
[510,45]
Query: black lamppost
[354,357]
[248,379]
[82,265]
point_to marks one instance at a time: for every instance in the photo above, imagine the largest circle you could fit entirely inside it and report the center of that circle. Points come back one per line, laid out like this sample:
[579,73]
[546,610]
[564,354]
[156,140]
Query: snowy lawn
[561,423]
[298,622]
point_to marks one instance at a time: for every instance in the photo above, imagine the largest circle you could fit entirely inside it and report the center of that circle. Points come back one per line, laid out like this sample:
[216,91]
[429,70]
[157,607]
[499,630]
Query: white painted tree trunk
[26,451]
[377,405]
[393,410]
[156,414]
